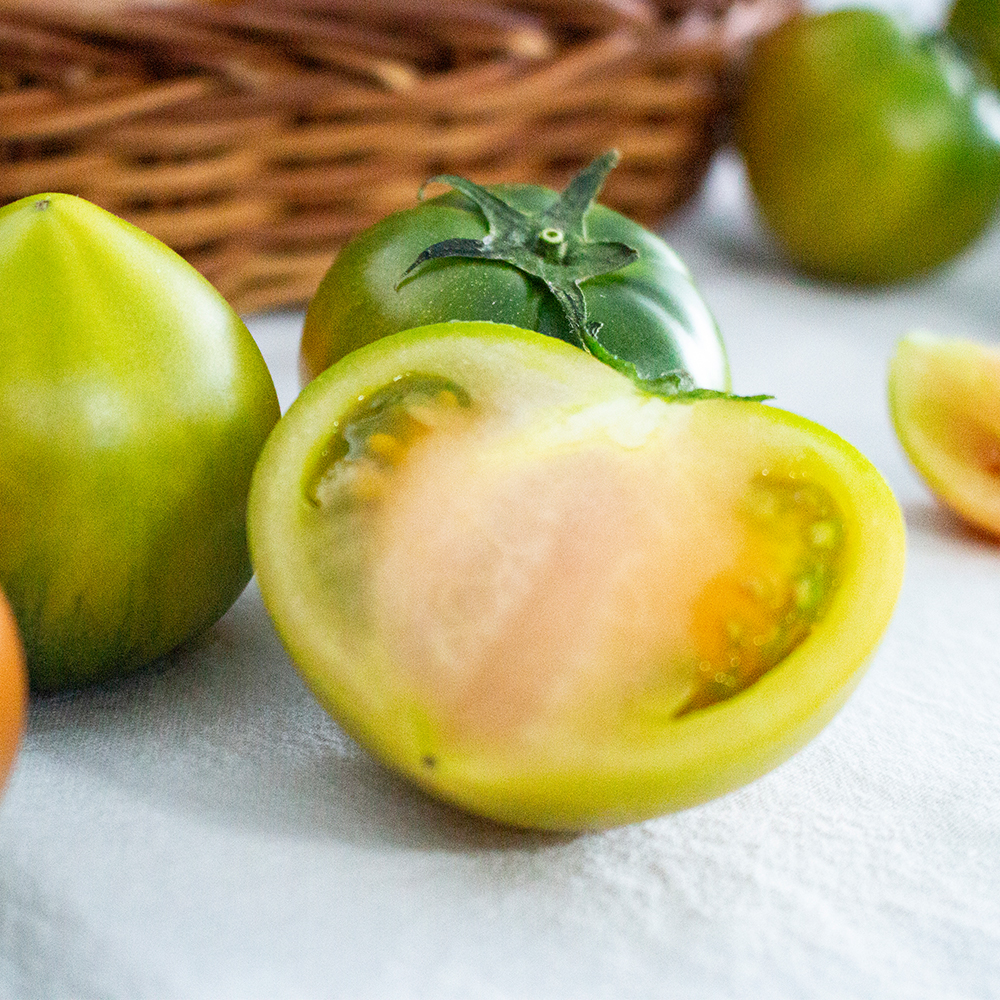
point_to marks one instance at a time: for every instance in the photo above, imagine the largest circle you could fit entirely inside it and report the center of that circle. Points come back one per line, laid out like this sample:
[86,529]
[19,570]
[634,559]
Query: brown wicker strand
[256,137]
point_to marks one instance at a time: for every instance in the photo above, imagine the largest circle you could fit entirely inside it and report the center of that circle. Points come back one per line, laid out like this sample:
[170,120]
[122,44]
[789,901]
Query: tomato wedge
[13,690]
[944,395]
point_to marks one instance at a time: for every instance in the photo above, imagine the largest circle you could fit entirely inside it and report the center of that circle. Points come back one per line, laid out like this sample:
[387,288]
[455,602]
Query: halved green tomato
[944,395]
[553,598]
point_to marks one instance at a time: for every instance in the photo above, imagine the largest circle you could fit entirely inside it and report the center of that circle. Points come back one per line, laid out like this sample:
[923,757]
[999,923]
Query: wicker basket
[255,137]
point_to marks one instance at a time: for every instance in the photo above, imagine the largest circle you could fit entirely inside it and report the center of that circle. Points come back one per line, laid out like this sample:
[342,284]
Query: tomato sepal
[549,244]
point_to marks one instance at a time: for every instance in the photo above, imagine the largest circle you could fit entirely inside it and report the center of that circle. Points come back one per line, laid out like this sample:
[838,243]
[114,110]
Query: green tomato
[553,598]
[133,405]
[528,257]
[975,25]
[944,395]
[873,155]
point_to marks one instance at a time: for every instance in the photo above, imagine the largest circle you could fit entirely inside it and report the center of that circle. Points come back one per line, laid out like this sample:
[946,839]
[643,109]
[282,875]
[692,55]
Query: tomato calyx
[551,245]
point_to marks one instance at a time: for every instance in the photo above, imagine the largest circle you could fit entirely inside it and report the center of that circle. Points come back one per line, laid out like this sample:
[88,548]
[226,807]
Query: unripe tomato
[975,25]
[133,404]
[554,598]
[524,255]
[873,154]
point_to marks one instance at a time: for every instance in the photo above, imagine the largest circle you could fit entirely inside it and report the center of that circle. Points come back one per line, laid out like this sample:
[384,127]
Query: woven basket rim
[256,137]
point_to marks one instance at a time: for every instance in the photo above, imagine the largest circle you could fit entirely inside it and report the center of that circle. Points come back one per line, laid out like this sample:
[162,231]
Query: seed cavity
[386,447]
[357,462]
[754,620]
[823,535]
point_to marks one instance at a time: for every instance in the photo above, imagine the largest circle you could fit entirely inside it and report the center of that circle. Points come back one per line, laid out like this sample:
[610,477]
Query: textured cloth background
[205,831]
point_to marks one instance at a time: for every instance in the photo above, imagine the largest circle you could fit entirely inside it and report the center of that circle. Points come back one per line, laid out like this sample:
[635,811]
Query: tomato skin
[975,25]
[13,690]
[651,311]
[605,770]
[873,155]
[133,404]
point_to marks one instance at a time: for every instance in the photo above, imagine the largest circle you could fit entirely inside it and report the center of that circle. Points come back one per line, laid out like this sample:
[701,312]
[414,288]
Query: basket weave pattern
[255,137]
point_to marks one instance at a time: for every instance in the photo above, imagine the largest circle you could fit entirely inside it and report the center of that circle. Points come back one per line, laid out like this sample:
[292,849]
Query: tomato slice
[944,395]
[553,598]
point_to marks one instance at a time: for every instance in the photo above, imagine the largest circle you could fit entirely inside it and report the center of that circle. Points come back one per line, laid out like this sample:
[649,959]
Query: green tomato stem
[551,246]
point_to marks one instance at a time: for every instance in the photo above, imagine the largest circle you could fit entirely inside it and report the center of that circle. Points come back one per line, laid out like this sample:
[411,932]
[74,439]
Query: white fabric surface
[203,830]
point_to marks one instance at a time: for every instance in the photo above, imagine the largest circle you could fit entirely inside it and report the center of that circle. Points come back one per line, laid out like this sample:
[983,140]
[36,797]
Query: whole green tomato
[133,405]
[975,25]
[873,154]
[554,596]
[524,255]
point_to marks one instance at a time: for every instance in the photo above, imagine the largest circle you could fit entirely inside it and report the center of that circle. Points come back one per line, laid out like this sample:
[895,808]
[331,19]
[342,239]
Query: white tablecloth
[203,830]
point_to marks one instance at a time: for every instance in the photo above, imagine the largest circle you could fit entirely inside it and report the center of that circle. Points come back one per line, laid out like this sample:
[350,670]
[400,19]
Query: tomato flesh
[531,586]
[13,690]
[490,552]
[945,402]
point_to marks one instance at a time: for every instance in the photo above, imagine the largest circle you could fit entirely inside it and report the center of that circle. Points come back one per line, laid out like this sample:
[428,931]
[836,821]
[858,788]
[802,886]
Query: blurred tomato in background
[873,151]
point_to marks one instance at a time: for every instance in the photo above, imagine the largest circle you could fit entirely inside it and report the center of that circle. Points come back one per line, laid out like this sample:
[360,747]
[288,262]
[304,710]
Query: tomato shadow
[224,731]
[931,519]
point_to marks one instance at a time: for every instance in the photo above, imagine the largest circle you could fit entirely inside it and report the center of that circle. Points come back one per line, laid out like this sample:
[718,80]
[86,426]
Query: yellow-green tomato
[944,395]
[133,405]
[553,598]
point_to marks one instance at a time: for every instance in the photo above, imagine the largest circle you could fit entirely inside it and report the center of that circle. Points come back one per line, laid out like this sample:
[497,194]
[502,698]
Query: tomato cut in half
[556,599]
[944,396]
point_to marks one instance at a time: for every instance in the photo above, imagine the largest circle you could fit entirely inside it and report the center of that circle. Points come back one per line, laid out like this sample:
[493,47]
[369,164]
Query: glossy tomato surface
[133,404]
[553,598]
[650,311]
[874,154]
[13,690]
